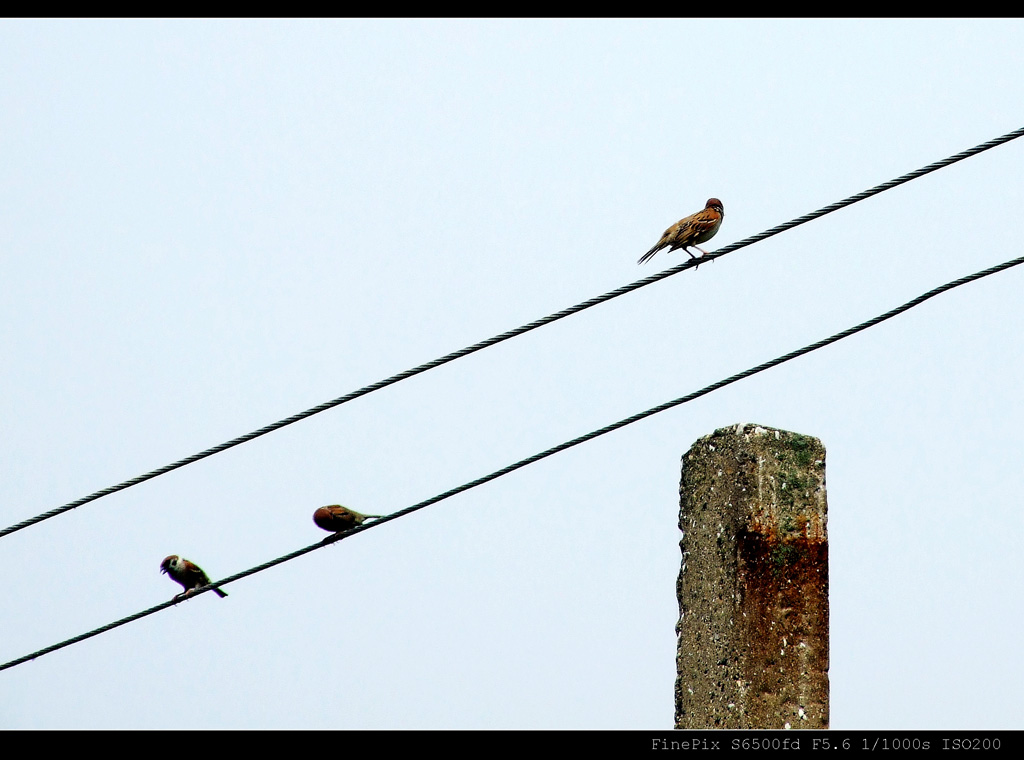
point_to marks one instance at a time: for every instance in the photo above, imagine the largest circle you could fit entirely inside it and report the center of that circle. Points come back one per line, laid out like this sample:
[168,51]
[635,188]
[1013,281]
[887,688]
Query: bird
[336,518]
[188,574]
[687,232]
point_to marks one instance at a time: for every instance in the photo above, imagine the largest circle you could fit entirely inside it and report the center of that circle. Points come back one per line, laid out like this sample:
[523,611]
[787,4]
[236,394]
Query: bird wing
[194,576]
[704,225]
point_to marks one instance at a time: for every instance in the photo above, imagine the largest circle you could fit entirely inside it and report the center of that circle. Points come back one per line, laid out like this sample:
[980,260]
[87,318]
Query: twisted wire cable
[688,264]
[535,458]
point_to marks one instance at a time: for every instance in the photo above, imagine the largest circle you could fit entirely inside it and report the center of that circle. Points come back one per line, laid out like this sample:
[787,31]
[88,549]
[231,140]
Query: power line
[537,457]
[688,264]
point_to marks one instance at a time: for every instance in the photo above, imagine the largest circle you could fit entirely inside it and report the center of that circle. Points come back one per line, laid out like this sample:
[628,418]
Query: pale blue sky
[213,225]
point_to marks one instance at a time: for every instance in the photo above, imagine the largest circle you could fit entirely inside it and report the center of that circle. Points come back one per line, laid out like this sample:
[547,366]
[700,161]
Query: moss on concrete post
[753,588]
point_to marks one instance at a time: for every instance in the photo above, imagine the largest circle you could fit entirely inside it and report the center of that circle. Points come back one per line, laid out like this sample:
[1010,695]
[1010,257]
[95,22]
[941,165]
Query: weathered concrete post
[753,588]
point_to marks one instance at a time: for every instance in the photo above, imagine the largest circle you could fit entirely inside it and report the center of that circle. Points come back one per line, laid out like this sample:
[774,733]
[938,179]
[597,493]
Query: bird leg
[702,252]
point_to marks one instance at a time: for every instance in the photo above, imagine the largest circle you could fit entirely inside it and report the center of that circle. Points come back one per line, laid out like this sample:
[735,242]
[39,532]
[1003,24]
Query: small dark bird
[188,574]
[336,518]
[686,233]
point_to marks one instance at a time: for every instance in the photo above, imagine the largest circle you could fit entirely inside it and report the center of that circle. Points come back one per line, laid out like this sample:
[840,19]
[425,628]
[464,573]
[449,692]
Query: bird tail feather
[647,256]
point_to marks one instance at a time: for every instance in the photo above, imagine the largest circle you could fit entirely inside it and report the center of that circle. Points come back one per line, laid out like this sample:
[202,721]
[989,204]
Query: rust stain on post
[753,588]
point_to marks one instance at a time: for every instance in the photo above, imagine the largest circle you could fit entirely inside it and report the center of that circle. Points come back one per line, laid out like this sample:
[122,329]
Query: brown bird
[188,574]
[686,233]
[337,518]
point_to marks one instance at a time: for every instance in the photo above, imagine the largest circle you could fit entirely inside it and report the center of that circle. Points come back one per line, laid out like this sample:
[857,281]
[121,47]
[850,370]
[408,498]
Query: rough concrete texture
[753,588]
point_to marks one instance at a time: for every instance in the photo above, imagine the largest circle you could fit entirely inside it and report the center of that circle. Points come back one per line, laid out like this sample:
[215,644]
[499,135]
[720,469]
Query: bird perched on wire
[686,233]
[337,518]
[188,574]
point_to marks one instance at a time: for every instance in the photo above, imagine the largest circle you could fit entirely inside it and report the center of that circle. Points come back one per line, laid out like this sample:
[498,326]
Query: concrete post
[753,588]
